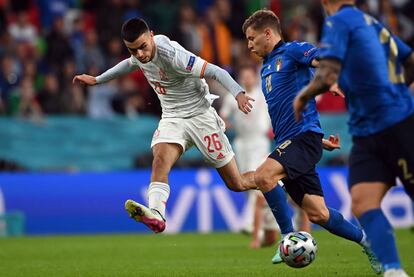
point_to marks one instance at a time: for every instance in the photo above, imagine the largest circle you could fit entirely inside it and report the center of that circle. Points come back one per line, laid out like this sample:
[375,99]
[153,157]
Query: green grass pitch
[217,254]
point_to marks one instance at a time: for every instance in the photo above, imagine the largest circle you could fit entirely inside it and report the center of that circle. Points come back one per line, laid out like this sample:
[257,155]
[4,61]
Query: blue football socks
[380,235]
[277,201]
[339,226]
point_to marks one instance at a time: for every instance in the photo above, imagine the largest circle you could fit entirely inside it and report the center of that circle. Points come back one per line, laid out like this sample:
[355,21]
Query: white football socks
[158,194]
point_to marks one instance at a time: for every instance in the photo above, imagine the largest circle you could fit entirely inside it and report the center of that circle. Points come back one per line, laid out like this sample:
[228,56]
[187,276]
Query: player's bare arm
[326,76]
[334,89]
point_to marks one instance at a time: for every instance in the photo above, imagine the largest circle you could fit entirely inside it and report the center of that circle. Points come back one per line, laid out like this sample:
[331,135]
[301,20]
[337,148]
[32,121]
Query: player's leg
[165,155]
[370,177]
[366,206]
[313,204]
[330,219]
[257,219]
[270,226]
[234,180]
[168,143]
[267,178]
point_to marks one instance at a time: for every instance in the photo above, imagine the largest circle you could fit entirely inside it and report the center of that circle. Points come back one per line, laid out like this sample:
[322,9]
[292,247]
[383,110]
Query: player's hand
[332,143]
[85,79]
[299,105]
[336,90]
[243,102]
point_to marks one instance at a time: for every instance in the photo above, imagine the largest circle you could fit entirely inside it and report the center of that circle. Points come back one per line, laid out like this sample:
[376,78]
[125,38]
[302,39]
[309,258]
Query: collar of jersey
[275,50]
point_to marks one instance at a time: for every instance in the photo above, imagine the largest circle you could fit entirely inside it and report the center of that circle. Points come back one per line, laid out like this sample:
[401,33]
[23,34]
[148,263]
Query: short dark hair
[263,19]
[133,29]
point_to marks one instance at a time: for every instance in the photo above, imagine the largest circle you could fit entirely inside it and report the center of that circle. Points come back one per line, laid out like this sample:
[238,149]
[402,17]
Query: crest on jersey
[190,63]
[163,75]
[279,64]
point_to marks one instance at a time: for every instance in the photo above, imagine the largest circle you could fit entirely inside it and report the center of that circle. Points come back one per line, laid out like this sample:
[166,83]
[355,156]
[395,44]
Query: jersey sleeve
[188,64]
[303,52]
[334,40]
[404,51]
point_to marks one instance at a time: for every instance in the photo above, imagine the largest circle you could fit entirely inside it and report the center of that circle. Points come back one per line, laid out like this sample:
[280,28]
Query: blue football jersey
[286,70]
[372,75]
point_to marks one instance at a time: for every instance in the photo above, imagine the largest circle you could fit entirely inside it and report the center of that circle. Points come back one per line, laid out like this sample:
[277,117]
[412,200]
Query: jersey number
[159,88]
[213,141]
[269,83]
[386,38]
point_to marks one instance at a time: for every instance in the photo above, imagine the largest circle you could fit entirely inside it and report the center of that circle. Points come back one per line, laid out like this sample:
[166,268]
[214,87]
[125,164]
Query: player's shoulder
[345,18]
[165,46]
[300,48]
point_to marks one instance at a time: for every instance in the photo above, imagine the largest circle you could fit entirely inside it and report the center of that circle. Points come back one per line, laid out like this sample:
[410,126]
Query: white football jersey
[256,123]
[176,75]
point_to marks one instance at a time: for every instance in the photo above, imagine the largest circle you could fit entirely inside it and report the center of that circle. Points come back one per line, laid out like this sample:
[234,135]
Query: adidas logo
[220,156]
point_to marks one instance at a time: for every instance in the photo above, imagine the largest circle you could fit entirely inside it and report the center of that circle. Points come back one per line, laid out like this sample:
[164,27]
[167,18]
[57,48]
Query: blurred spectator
[27,105]
[132,9]
[74,100]
[186,31]
[92,55]
[85,34]
[388,16]
[129,101]
[107,29]
[22,30]
[77,41]
[49,97]
[9,77]
[216,40]
[162,14]
[50,9]
[58,46]
[99,103]
[115,52]
[301,27]
[30,70]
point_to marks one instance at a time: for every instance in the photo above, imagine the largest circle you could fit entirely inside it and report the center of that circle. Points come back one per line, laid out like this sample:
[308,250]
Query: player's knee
[263,181]
[160,165]
[360,205]
[320,216]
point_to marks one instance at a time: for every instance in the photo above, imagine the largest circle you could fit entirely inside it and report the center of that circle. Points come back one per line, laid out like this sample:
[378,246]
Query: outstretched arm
[326,76]
[120,69]
[223,77]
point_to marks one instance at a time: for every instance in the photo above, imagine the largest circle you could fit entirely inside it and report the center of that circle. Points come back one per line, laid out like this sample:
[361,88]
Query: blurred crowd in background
[44,43]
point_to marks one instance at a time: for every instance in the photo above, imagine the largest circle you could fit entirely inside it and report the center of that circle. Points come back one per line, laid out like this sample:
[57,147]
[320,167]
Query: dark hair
[133,29]
[263,19]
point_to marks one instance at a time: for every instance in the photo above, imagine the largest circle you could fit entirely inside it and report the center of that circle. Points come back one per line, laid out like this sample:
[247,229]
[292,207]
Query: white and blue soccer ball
[298,249]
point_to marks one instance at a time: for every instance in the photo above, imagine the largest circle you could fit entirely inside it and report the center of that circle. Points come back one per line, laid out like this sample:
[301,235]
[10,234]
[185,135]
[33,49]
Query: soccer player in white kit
[177,76]
[252,146]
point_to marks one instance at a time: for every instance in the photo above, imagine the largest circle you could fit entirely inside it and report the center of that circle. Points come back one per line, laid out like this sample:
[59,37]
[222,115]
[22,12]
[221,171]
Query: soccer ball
[298,249]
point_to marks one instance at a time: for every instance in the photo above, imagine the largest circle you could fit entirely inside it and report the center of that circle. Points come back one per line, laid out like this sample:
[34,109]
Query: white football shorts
[205,131]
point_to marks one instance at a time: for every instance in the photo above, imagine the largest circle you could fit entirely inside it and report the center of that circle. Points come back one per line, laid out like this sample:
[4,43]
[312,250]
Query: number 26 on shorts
[213,142]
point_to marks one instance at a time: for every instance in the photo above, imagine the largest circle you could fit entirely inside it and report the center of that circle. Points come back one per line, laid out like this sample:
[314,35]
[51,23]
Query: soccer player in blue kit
[367,60]
[287,68]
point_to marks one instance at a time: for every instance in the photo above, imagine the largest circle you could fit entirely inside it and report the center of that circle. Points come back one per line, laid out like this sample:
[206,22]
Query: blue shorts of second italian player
[299,157]
[384,156]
